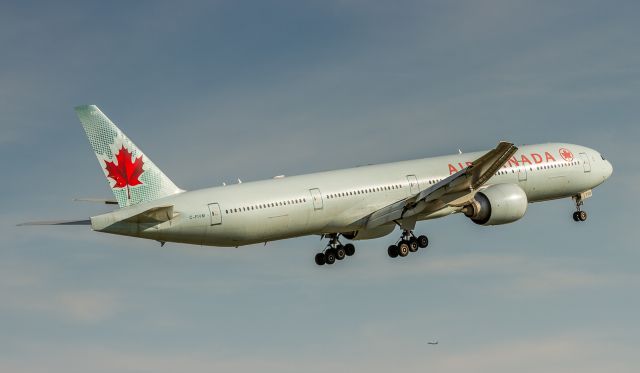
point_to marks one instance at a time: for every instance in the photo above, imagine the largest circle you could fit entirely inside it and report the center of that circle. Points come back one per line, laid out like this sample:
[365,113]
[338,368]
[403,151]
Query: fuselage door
[585,162]
[522,174]
[414,187]
[216,215]
[316,197]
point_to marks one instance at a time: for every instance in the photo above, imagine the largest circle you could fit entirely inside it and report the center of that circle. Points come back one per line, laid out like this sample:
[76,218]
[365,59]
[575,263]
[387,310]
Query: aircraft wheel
[423,241]
[349,249]
[340,252]
[403,248]
[582,215]
[330,256]
[575,216]
[393,251]
[413,245]
[320,259]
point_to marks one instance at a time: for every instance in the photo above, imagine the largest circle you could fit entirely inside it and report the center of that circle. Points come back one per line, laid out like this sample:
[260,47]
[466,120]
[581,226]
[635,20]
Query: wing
[456,190]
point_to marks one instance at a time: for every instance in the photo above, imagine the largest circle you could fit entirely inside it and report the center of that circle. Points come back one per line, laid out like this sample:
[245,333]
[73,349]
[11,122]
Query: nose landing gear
[579,215]
[408,243]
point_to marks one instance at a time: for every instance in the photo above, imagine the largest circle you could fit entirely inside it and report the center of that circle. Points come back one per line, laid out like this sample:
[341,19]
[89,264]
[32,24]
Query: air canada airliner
[368,202]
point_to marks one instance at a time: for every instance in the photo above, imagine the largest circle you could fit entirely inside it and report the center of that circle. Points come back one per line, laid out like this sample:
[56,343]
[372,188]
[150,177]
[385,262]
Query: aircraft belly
[259,227]
[556,184]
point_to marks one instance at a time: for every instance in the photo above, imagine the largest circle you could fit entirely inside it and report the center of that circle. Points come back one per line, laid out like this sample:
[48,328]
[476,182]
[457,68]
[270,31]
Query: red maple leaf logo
[566,154]
[125,172]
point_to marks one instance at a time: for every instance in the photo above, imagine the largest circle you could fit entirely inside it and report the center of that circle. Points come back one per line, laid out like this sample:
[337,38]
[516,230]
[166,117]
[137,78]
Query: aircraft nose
[608,169]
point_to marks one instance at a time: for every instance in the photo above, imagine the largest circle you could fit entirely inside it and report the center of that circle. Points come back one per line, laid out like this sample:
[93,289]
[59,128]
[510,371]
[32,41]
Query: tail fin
[132,176]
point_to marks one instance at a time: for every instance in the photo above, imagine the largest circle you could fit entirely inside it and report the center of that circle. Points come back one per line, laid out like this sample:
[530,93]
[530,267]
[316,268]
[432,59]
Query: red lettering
[513,161]
[452,169]
[549,156]
[461,166]
[536,157]
[468,164]
[524,159]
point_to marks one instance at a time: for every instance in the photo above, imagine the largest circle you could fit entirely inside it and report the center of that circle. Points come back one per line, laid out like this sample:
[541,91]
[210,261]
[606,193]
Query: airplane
[433,343]
[361,203]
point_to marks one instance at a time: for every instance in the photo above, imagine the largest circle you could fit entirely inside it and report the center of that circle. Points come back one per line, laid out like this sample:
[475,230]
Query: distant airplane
[490,188]
[433,343]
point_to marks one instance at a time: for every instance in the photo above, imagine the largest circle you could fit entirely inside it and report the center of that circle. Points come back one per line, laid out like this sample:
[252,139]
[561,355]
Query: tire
[349,249]
[582,215]
[423,241]
[320,259]
[575,216]
[393,251]
[413,245]
[403,248]
[340,253]
[330,257]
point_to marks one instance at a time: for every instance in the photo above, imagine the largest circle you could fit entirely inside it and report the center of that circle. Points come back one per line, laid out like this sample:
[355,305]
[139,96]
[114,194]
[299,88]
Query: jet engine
[367,234]
[497,204]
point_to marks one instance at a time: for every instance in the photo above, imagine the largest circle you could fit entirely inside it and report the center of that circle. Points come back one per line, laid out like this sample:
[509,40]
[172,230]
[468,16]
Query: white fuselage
[336,201]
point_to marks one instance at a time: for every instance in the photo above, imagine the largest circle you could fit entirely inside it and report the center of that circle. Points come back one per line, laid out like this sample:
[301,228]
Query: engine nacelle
[497,204]
[368,234]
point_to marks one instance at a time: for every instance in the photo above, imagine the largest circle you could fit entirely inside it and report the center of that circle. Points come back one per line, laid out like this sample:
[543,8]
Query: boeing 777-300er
[367,202]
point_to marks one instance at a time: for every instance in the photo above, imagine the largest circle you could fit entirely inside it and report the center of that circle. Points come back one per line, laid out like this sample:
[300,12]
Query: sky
[214,91]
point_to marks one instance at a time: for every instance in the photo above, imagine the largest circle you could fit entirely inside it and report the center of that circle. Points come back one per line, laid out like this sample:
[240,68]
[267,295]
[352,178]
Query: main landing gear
[407,243]
[579,215]
[334,251]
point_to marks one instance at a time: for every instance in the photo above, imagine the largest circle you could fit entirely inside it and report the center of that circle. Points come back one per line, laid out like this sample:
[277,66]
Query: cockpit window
[602,156]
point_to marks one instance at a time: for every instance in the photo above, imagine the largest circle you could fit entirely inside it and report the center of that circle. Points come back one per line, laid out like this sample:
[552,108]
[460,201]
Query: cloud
[547,281]
[586,352]
[515,275]
[561,353]
[28,288]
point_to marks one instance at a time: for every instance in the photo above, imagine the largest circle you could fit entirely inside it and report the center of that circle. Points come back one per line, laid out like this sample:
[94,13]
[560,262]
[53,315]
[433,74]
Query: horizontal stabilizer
[57,222]
[158,214]
[97,200]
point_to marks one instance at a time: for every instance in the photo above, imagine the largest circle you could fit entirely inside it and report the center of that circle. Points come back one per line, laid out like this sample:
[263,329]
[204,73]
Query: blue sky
[215,91]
